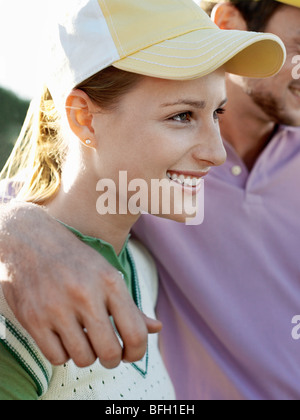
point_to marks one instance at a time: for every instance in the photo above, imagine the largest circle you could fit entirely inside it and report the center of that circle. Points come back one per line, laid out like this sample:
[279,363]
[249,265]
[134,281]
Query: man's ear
[79,110]
[227,16]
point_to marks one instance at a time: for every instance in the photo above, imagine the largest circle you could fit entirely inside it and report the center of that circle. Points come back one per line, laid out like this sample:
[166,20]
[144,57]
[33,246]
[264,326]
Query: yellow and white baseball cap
[169,39]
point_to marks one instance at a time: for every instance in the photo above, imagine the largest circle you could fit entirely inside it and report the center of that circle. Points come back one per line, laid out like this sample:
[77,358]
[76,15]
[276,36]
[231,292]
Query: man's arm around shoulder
[63,292]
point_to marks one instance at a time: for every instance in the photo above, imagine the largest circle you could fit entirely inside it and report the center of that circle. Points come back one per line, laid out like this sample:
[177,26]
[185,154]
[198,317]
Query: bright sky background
[20,32]
[21,27]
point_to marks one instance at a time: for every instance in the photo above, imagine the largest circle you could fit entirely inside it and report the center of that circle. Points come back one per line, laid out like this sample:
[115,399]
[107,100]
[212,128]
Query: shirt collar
[290,129]
[121,262]
[98,243]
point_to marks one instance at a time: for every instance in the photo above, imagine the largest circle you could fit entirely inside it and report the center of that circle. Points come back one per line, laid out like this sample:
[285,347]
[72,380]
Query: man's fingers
[103,339]
[52,348]
[133,330]
[153,325]
[76,343]
[131,327]
[99,340]
[135,335]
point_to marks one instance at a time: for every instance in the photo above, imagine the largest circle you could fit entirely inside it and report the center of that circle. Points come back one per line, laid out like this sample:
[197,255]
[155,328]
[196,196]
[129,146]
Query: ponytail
[36,160]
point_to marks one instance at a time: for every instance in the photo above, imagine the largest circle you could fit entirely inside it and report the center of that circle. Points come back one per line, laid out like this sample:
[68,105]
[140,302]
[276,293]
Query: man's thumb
[153,325]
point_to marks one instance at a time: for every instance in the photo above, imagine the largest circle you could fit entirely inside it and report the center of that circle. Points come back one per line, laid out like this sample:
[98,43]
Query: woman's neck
[75,205]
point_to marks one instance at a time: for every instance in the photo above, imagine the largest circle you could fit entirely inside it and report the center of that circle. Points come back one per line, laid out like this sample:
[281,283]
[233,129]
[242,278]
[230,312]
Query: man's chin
[276,112]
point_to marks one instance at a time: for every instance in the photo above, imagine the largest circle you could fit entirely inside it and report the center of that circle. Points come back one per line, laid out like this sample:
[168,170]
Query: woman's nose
[211,149]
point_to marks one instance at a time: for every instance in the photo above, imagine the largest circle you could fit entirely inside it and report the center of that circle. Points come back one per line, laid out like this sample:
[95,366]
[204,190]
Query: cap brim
[203,51]
[294,3]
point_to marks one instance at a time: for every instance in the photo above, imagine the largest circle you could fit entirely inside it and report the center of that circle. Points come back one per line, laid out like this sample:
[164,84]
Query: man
[229,288]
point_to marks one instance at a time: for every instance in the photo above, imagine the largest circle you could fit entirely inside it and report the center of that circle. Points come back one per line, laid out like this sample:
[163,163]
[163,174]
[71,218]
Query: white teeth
[185,180]
[189,182]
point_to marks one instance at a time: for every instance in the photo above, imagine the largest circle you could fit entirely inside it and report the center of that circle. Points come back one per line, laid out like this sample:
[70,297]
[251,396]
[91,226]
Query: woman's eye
[183,117]
[220,111]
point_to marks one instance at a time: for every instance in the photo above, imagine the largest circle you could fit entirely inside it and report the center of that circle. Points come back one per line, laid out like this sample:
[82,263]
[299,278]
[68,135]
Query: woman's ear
[227,16]
[79,110]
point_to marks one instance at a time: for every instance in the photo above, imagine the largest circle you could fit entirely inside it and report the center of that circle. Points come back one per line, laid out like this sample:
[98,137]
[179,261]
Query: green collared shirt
[121,262]
[15,382]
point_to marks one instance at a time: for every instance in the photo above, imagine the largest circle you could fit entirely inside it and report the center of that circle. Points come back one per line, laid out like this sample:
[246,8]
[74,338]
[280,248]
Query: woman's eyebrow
[189,102]
[192,103]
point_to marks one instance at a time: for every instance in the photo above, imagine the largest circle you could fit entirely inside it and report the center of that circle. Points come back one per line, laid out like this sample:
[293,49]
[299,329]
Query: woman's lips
[188,178]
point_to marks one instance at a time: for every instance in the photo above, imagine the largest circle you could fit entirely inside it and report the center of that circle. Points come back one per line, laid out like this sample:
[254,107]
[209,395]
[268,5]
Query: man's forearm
[14,233]
[59,288]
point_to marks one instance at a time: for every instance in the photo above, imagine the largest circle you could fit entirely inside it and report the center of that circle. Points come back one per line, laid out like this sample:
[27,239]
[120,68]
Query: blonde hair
[35,164]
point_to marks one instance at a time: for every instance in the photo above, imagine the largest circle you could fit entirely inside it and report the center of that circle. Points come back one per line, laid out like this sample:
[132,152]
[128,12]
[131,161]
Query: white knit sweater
[145,380]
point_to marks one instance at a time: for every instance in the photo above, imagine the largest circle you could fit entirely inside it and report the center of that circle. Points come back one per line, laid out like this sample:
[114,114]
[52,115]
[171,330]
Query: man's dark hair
[256,13]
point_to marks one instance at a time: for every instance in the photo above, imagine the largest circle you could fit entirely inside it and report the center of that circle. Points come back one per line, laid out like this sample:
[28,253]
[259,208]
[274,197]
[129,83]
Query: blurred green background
[12,114]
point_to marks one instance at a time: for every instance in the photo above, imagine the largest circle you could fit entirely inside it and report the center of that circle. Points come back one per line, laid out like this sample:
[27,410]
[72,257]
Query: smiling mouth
[188,179]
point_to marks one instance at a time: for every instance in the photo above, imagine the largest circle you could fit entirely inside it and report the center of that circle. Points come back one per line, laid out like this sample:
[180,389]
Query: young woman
[134,92]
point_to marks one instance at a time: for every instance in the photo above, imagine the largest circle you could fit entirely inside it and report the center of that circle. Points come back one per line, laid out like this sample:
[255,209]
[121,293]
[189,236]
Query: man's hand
[63,292]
